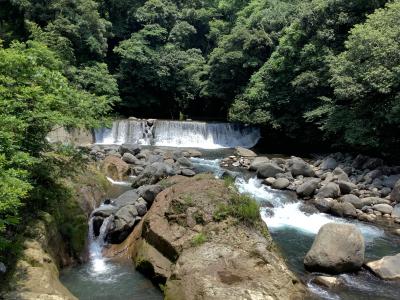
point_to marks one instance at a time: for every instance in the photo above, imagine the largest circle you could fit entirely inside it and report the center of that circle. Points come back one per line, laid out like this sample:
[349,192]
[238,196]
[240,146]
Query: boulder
[337,248]
[327,281]
[188,172]
[368,201]
[340,174]
[395,195]
[115,168]
[300,167]
[240,151]
[152,158]
[330,190]
[396,211]
[257,162]
[104,211]
[343,209]
[372,163]
[323,205]
[184,162]
[391,181]
[268,169]
[152,174]
[387,267]
[127,213]
[122,224]
[308,188]
[129,197]
[194,153]
[383,208]
[352,199]
[281,183]
[149,192]
[131,159]
[141,206]
[329,164]
[234,255]
[129,148]
[359,161]
[346,187]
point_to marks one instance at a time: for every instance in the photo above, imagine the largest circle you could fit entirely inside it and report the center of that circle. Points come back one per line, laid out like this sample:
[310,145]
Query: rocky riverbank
[191,244]
[352,187]
[53,241]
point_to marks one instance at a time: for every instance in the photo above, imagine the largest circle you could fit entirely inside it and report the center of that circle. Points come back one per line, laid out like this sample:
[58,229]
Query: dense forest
[305,71]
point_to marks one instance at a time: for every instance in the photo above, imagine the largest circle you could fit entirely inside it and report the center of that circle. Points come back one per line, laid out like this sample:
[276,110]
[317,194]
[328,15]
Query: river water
[292,229]
[101,278]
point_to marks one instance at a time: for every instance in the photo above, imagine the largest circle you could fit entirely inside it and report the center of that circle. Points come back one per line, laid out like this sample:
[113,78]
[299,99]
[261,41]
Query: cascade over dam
[179,134]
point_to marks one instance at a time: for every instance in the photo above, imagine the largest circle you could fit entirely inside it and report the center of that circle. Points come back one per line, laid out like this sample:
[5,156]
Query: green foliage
[229,181]
[199,239]
[297,75]
[240,206]
[34,97]
[365,109]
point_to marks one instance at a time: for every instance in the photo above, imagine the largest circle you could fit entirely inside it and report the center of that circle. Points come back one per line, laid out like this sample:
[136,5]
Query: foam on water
[123,183]
[179,134]
[288,214]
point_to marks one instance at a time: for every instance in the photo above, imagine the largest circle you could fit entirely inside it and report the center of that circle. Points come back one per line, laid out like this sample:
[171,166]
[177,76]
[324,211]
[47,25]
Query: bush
[241,207]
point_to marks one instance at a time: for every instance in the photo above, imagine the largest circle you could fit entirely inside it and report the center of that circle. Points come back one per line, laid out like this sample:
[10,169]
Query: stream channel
[292,229]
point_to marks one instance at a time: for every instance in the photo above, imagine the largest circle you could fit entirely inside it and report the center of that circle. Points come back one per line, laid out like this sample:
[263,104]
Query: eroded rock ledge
[185,243]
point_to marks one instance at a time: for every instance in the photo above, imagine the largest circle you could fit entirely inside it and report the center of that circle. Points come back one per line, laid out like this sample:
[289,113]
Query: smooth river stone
[388,267]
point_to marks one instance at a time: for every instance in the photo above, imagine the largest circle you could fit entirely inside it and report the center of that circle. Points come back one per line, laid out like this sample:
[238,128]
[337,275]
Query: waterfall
[179,134]
[97,261]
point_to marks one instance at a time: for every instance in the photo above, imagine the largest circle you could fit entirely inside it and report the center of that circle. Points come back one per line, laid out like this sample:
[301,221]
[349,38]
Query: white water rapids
[179,134]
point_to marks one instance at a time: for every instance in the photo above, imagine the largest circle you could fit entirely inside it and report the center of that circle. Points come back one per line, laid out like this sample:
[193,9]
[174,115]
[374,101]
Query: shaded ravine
[102,278]
[294,231]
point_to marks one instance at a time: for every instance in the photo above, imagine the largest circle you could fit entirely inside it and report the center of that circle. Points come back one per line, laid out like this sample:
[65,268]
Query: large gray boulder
[131,159]
[123,223]
[352,199]
[300,167]
[368,201]
[188,172]
[383,208]
[149,192]
[308,188]
[129,197]
[340,174]
[329,164]
[281,183]
[268,169]
[141,206]
[240,151]
[337,248]
[257,162]
[395,195]
[152,174]
[343,209]
[390,181]
[346,187]
[387,267]
[129,148]
[396,211]
[184,162]
[373,163]
[323,205]
[330,190]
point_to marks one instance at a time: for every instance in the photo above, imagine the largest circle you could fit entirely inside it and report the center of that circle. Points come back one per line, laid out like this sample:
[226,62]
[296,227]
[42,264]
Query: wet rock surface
[337,248]
[180,243]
